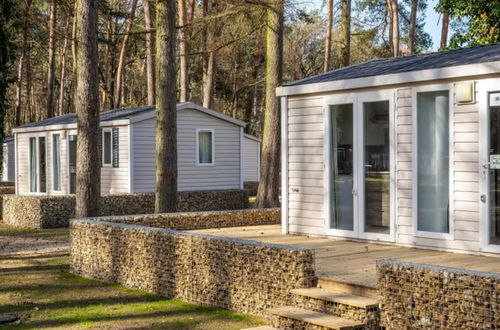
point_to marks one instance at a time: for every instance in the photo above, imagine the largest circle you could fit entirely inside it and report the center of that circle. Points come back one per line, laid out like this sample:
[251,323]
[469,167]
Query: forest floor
[36,286]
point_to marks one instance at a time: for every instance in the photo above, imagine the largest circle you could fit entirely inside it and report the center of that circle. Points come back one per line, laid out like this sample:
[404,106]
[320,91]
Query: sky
[433,24]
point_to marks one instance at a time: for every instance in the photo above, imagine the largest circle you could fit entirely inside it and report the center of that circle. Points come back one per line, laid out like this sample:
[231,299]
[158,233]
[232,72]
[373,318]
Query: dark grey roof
[473,55]
[108,115]
[8,139]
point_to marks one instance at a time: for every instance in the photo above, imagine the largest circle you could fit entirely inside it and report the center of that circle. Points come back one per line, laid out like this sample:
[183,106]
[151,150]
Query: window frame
[110,131]
[37,153]
[212,132]
[53,163]
[451,170]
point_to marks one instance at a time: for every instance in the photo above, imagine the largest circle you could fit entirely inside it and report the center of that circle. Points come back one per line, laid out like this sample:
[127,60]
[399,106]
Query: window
[205,142]
[56,162]
[107,147]
[38,166]
[33,167]
[433,161]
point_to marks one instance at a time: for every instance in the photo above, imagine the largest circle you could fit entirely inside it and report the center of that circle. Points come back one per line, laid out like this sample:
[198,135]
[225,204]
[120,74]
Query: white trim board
[459,71]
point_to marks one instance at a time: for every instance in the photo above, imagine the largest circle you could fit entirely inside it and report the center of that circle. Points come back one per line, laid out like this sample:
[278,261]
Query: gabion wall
[433,297]
[55,211]
[201,220]
[6,188]
[239,275]
[252,187]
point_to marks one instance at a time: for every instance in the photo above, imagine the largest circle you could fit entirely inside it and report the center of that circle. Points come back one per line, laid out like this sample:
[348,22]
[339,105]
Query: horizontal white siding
[251,150]
[225,174]
[306,212]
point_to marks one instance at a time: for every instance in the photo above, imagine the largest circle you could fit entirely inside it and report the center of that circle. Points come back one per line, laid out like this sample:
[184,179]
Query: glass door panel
[342,141]
[494,175]
[377,196]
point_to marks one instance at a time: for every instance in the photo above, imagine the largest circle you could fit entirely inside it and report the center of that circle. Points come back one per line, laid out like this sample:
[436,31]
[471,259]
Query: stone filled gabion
[55,211]
[424,296]
[6,188]
[243,276]
[251,187]
[202,220]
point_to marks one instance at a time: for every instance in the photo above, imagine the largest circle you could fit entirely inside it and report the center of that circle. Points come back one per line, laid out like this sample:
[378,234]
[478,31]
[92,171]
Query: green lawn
[45,295]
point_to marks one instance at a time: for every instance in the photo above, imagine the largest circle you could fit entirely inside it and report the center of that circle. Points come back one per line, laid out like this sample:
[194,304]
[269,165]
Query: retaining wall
[55,211]
[239,275]
[424,296]
[202,220]
[251,186]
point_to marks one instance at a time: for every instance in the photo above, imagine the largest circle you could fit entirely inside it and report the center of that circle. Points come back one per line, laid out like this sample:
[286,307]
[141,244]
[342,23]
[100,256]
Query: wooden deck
[354,262]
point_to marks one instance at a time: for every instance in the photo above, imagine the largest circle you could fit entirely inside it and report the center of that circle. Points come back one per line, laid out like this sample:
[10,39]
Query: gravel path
[30,246]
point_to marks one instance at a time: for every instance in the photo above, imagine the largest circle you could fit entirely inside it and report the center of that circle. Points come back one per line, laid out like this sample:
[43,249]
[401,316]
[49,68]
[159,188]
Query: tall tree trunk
[123,52]
[413,23]
[268,191]
[150,51]
[345,37]
[62,79]
[166,107]
[444,30]
[183,50]
[30,111]
[88,171]
[328,39]
[394,27]
[209,57]
[51,76]
[22,58]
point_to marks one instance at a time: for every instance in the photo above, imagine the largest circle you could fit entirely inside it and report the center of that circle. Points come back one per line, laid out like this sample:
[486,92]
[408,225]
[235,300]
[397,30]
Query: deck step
[338,297]
[315,318]
[357,289]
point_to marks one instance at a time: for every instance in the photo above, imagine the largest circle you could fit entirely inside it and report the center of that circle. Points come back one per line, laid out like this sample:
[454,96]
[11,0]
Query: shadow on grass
[34,268]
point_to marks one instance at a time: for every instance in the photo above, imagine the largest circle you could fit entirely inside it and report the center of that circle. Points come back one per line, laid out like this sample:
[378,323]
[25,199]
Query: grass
[44,294]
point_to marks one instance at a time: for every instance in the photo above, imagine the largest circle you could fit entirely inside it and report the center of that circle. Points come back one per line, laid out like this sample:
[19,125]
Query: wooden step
[357,289]
[316,318]
[338,297]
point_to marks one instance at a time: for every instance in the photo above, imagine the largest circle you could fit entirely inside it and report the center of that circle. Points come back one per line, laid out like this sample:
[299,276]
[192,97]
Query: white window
[56,162]
[38,165]
[107,148]
[432,187]
[205,147]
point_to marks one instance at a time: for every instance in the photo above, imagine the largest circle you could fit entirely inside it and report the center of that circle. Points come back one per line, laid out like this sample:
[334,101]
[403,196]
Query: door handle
[368,165]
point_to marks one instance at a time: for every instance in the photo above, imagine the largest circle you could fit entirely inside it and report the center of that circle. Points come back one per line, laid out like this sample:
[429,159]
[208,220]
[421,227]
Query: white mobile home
[8,159]
[251,156]
[210,152]
[403,150]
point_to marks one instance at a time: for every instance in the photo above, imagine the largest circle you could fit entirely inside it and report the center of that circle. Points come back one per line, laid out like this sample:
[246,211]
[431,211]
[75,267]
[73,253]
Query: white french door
[359,171]
[489,100]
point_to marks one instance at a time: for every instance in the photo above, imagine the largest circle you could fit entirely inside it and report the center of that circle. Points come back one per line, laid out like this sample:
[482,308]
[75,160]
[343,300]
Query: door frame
[357,100]
[485,87]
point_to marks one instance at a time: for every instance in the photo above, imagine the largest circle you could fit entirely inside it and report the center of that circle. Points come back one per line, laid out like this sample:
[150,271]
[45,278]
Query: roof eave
[459,71]
[120,122]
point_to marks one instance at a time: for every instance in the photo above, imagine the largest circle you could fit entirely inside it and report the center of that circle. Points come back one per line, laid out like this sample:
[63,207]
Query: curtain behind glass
[56,161]
[433,161]
[33,167]
[205,147]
